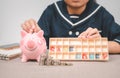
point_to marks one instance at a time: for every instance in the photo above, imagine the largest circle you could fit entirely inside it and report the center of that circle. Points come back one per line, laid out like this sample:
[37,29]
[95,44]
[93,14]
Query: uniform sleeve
[44,23]
[112,28]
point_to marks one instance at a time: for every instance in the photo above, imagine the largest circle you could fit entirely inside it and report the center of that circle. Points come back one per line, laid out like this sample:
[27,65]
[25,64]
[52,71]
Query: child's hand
[30,26]
[90,33]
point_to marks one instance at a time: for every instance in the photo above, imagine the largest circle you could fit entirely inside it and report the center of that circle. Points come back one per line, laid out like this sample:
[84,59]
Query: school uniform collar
[90,10]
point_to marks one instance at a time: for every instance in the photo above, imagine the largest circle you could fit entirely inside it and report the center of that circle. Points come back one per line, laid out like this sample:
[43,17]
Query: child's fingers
[94,36]
[93,32]
[30,26]
[25,28]
[34,25]
[85,33]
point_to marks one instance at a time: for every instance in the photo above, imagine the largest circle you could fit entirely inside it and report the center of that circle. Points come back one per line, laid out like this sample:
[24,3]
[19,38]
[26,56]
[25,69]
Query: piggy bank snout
[31,44]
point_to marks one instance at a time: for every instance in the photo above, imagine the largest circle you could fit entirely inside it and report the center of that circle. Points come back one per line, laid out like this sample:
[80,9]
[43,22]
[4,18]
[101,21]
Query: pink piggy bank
[32,45]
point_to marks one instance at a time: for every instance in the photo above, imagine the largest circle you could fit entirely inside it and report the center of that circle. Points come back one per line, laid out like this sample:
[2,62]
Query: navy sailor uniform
[56,22]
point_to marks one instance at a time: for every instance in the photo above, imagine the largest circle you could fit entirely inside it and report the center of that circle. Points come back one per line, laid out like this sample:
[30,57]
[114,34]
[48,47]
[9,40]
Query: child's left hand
[90,33]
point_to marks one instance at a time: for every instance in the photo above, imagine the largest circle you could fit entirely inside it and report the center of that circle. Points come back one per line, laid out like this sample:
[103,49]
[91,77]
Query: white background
[14,12]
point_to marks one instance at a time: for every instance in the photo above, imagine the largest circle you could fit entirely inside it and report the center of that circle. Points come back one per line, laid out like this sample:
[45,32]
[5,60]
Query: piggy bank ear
[40,33]
[23,33]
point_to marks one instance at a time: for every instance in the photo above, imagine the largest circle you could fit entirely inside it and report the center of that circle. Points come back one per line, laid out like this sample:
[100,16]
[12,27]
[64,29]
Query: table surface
[80,69]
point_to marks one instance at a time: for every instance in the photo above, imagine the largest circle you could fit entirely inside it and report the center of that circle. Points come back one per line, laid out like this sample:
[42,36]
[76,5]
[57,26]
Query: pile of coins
[46,60]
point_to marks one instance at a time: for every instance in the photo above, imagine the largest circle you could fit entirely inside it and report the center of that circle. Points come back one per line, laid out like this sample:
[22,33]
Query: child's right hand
[30,26]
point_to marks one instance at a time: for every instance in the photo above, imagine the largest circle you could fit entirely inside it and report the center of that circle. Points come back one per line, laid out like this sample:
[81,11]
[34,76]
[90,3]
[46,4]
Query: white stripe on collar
[74,24]
[73,16]
[117,40]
